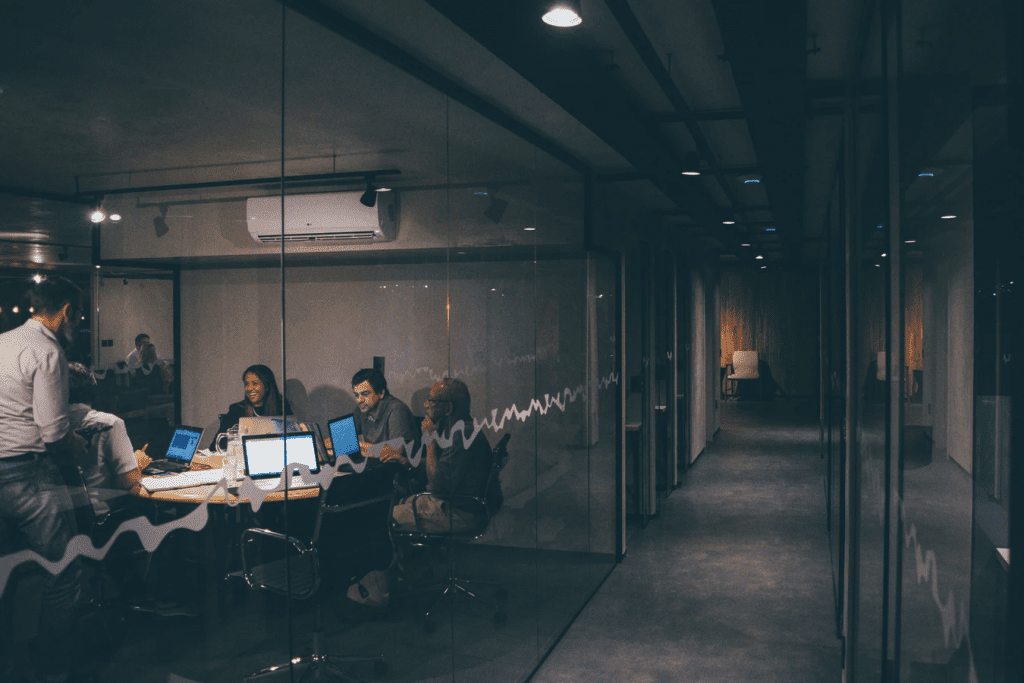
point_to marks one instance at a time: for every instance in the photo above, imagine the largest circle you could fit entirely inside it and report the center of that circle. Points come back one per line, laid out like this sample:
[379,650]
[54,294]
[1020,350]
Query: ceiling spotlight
[97,267]
[529,228]
[692,164]
[562,13]
[15,309]
[745,244]
[37,278]
[379,189]
[97,215]
[369,197]
[763,267]
[115,217]
[948,216]
[909,241]
[497,207]
[759,257]
[728,222]
[31,310]
[884,255]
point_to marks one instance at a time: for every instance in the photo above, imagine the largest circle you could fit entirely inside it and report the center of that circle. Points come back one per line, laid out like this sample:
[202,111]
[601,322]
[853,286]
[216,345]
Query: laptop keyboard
[182,480]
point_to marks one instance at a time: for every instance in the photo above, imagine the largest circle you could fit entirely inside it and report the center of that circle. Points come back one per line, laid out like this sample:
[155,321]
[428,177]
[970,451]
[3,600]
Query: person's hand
[141,458]
[329,445]
[428,426]
[364,450]
[389,454]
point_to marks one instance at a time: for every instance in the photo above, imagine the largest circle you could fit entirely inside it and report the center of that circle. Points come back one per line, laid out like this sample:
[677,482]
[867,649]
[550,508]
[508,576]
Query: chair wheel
[380,667]
[501,593]
[499,617]
[429,626]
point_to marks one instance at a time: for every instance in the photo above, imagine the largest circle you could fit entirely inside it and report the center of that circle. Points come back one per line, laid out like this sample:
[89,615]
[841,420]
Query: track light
[497,207]
[562,13]
[691,166]
[369,197]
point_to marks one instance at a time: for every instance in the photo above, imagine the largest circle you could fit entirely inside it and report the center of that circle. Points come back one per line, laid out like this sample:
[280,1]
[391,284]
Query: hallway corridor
[732,582]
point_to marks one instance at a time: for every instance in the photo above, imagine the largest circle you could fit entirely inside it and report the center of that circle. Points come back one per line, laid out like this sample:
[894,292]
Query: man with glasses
[34,429]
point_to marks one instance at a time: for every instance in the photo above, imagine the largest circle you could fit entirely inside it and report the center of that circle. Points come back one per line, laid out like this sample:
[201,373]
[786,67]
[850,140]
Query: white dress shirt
[110,454]
[34,396]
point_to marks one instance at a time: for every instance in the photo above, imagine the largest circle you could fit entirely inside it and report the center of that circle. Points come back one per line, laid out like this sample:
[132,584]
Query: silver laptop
[265,459]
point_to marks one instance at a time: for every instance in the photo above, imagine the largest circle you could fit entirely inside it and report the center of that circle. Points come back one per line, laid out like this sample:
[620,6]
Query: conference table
[198,494]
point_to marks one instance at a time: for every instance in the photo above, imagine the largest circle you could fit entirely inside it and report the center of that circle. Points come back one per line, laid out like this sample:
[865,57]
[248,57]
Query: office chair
[744,366]
[453,584]
[301,561]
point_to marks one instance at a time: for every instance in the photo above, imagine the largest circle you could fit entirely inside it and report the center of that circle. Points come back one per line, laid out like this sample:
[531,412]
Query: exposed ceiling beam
[767,48]
[566,73]
[46,196]
[627,20]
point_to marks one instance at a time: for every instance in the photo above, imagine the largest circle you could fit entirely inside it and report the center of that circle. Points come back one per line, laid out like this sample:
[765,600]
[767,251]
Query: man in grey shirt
[382,418]
[35,428]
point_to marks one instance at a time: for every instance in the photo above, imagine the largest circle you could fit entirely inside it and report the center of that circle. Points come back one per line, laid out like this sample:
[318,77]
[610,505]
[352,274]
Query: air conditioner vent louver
[328,217]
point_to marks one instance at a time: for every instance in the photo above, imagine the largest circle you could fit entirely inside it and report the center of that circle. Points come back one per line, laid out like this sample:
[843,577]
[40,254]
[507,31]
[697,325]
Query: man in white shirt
[35,428]
[133,360]
[111,466]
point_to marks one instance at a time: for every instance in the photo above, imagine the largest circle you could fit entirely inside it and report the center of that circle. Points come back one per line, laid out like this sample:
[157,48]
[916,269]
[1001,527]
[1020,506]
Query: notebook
[265,459]
[179,453]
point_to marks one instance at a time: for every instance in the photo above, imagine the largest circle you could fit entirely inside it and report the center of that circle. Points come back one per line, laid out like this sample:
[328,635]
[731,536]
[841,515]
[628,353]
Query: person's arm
[399,425]
[50,409]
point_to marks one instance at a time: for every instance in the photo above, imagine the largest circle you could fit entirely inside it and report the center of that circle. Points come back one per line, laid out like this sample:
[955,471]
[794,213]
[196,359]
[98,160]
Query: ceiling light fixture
[97,215]
[562,13]
[745,244]
[948,216]
[884,255]
[369,197]
[529,228]
[115,217]
[37,278]
[909,241]
[15,309]
[759,257]
[763,267]
[497,207]
[728,222]
[691,166]
[926,174]
[751,180]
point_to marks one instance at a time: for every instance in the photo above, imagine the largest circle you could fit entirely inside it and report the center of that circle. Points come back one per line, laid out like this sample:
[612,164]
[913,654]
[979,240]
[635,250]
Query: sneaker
[372,590]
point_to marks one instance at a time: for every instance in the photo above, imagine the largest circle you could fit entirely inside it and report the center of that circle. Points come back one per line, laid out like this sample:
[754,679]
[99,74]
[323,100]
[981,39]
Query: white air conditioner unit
[327,217]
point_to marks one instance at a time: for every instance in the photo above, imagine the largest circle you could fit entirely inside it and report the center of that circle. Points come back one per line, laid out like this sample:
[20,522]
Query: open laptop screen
[343,435]
[264,455]
[184,443]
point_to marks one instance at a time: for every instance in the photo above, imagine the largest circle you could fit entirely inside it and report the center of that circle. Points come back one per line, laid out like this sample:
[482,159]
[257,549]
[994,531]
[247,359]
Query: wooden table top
[197,494]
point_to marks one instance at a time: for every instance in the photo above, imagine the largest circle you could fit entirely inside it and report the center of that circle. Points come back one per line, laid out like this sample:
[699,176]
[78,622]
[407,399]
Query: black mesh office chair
[453,584]
[294,572]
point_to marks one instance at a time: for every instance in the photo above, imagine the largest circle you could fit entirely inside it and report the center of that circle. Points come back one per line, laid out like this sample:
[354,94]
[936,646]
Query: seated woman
[262,399]
[152,374]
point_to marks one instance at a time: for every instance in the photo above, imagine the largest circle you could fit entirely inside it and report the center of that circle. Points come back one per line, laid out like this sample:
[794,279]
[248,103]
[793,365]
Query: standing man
[34,429]
[381,418]
[134,358]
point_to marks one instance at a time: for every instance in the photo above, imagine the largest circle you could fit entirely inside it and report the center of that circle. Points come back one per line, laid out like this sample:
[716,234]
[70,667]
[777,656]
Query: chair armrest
[300,548]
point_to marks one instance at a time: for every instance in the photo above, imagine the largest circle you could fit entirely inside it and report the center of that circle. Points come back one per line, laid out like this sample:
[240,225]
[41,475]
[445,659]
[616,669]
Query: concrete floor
[732,582]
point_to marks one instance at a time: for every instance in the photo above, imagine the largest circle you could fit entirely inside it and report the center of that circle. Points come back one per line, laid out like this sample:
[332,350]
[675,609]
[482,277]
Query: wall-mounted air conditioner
[327,217]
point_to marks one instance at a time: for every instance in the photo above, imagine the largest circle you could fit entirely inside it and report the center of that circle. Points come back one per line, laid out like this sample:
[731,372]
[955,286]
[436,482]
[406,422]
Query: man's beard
[66,334]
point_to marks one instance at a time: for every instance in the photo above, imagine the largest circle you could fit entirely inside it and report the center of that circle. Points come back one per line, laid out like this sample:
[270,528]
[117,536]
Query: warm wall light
[562,13]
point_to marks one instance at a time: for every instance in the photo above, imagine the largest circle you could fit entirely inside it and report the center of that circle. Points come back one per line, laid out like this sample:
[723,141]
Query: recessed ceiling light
[97,267]
[745,244]
[529,228]
[763,267]
[759,257]
[691,173]
[948,216]
[562,13]
[728,222]
[878,265]
[909,241]
[97,216]
[115,217]
[38,278]
[884,255]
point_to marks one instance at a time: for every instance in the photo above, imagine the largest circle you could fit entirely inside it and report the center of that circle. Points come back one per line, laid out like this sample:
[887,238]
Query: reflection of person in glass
[151,374]
[35,428]
[381,417]
[461,469]
[262,399]
[134,358]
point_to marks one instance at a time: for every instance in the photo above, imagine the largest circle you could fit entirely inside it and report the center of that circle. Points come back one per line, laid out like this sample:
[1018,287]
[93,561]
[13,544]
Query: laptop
[179,454]
[346,442]
[265,453]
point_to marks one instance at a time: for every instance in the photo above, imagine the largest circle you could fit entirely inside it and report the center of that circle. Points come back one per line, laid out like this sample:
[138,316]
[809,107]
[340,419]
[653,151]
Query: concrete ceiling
[137,93]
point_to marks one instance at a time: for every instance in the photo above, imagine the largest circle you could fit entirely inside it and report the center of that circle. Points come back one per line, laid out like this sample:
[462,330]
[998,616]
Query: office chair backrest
[744,365]
[500,456]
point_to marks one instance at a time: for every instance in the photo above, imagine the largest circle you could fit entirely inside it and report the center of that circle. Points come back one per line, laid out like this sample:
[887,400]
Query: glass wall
[196,125]
[920,511]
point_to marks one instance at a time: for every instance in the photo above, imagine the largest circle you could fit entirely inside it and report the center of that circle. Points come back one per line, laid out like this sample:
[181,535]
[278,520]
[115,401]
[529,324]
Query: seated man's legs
[431,515]
[35,501]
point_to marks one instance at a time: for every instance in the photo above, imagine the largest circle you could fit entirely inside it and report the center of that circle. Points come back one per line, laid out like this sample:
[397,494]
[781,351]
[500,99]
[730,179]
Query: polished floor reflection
[732,583]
